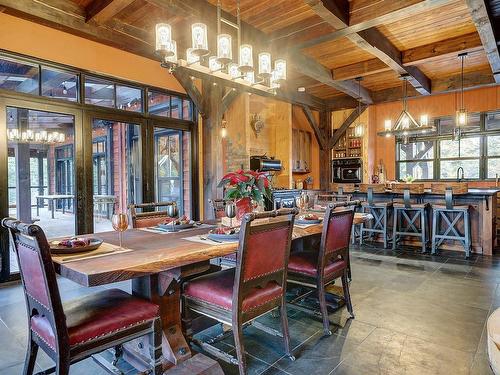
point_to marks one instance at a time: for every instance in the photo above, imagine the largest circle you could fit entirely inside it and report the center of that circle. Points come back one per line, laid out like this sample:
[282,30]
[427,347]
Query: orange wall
[381,148]
[28,38]
[299,121]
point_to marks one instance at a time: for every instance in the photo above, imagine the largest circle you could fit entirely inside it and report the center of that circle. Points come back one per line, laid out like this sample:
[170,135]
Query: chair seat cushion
[306,263]
[217,289]
[96,316]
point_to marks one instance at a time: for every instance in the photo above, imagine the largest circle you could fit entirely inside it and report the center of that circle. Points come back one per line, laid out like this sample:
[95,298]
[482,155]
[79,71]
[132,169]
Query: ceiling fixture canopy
[406,126]
[222,64]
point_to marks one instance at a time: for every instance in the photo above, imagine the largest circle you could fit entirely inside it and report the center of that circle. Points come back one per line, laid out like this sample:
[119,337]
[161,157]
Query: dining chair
[150,214]
[72,331]
[219,206]
[318,269]
[254,287]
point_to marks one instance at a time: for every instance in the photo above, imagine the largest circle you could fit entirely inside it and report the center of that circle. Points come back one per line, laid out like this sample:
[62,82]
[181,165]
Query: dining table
[157,262]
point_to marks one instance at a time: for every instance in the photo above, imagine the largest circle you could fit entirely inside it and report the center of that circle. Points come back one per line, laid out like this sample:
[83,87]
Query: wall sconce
[223,128]
[257,124]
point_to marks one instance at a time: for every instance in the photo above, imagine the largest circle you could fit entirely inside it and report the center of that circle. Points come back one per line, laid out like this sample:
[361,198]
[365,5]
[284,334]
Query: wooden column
[212,143]
[325,169]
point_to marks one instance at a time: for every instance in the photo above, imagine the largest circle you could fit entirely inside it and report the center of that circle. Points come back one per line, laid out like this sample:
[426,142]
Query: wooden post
[325,169]
[212,143]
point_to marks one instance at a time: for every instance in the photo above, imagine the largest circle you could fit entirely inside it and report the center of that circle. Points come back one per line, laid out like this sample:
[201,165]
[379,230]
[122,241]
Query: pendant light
[358,130]
[406,125]
[462,115]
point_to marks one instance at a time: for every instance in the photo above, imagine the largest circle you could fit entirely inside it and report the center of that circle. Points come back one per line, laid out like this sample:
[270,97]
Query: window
[493,156]
[19,76]
[165,105]
[439,156]
[129,98]
[416,160]
[59,84]
[99,92]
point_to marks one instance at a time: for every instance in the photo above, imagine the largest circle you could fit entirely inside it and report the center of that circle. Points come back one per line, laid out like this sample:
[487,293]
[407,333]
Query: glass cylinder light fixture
[388,127]
[213,64]
[172,56]
[224,49]
[223,128]
[265,64]
[424,120]
[274,82]
[191,58]
[250,77]
[461,117]
[233,70]
[280,69]
[164,39]
[246,58]
[199,38]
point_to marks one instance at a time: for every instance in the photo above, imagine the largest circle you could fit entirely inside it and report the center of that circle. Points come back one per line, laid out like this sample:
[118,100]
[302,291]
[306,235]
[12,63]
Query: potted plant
[246,188]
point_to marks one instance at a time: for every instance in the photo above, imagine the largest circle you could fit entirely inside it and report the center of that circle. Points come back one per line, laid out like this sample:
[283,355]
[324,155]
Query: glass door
[116,169]
[40,172]
[172,172]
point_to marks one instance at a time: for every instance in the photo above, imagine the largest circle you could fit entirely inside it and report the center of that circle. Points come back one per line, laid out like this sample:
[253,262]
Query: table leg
[164,290]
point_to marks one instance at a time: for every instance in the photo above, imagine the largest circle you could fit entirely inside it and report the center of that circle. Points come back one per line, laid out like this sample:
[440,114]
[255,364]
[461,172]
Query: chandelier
[30,136]
[406,125]
[222,64]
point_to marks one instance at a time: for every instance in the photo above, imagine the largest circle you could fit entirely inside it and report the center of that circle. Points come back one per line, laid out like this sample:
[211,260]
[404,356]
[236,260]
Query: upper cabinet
[301,155]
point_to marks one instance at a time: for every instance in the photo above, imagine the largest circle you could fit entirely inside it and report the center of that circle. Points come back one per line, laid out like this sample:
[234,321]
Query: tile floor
[415,314]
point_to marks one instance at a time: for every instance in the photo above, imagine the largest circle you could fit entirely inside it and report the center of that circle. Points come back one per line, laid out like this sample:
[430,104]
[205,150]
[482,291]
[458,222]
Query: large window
[439,156]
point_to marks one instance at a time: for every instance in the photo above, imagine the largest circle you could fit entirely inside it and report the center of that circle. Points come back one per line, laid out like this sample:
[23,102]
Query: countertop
[477,192]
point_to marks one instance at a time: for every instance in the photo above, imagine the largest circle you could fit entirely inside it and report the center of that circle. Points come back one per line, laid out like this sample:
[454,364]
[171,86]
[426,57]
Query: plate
[306,222]
[224,237]
[176,227]
[94,245]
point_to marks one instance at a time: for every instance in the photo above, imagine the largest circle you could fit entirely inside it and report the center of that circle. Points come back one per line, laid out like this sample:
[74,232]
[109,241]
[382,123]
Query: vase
[243,206]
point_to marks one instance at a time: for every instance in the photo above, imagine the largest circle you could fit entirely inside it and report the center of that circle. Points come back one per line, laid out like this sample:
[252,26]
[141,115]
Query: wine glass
[230,210]
[305,200]
[120,224]
[172,211]
[299,202]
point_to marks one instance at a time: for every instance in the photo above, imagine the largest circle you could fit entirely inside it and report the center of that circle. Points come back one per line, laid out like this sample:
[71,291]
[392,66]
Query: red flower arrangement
[245,186]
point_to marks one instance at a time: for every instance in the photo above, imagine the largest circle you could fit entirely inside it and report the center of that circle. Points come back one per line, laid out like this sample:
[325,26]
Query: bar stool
[410,218]
[449,217]
[379,210]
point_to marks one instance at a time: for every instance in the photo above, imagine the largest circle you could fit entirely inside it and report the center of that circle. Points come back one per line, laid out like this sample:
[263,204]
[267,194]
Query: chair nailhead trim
[41,338]
[111,332]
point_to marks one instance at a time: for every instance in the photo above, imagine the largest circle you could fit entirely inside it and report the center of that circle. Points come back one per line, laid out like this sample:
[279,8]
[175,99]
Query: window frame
[483,157]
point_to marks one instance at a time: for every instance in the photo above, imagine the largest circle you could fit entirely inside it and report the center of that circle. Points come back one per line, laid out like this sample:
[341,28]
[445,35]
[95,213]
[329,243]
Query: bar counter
[483,214]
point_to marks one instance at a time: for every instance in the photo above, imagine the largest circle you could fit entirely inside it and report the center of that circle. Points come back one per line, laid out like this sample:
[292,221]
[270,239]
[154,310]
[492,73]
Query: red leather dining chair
[254,287]
[149,215]
[219,206]
[77,329]
[318,269]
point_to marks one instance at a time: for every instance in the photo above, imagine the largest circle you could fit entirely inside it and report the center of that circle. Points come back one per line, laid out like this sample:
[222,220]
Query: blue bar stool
[410,217]
[380,212]
[449,219]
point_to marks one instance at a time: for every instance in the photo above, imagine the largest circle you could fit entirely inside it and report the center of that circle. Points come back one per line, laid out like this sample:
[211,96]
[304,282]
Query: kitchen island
[483,215]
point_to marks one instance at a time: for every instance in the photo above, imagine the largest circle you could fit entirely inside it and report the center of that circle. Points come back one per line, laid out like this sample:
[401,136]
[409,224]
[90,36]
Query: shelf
[301,171]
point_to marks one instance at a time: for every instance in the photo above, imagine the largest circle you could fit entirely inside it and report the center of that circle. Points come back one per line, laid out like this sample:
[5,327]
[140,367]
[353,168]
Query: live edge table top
[152,253]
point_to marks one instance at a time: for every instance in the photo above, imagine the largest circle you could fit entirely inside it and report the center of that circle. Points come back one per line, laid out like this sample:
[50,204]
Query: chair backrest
[450,189]
[150,215]
[370,189]
[328,198]
[336,234]
[342,188]
[407,190]
[38,277]
[263,252]
[219,207]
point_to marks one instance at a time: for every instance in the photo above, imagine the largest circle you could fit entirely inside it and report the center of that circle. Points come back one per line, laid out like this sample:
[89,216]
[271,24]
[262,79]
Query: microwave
[347,170]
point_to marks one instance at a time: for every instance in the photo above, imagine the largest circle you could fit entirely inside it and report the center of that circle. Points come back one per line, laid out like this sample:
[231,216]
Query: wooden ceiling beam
[479,12]
[318,132]
[404,9]
[103,10]
[470,43]
[340,102]
[375,43]
[334,12]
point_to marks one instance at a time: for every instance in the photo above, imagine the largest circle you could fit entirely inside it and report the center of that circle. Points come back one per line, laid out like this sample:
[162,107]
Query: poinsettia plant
[246,184]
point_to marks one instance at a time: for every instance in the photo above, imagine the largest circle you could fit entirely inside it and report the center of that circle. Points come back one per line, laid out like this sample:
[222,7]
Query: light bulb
[43,135]
[424,120]
[224,48]
[264,64]
[199,38]
[388,125]
[246,58]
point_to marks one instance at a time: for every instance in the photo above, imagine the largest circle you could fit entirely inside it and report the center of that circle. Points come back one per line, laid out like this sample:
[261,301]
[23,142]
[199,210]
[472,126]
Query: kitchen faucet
[458,174]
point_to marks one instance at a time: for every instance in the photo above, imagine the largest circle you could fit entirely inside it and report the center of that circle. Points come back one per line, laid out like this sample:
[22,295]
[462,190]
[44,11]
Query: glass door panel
[172,154]
[117,177]
[41,171]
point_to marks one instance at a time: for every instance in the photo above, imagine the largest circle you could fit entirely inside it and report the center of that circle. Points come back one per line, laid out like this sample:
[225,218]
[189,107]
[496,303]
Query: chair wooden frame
[149,212]
[32,237]
[237,318]
[319,282]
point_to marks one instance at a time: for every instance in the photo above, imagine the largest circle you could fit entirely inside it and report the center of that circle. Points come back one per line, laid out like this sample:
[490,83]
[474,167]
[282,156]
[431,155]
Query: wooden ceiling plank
[103,10]
[389,17]
[361,69]
[320,136]
[484,27]
[374,42]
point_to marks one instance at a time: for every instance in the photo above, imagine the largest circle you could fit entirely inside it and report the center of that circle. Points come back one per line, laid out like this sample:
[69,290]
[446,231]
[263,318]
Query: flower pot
[243,206]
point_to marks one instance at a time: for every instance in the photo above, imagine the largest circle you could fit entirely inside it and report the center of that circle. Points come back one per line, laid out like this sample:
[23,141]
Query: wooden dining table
[157,263]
